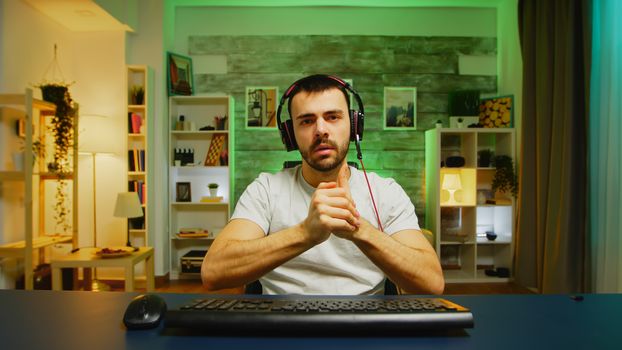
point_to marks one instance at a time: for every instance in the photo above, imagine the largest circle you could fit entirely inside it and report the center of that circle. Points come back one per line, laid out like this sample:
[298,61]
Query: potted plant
[138,94]
[460,121]
[213,189]
[62,130]
[504,179]
[484,157]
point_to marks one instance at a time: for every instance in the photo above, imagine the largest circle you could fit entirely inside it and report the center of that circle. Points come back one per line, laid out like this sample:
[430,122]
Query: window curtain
[605,147]
[551,241]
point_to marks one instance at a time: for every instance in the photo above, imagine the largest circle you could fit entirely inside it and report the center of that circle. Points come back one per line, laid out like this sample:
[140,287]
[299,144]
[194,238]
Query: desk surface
[85,320]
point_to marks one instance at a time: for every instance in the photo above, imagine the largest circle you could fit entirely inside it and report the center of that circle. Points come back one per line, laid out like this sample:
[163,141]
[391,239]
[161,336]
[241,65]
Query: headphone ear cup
[356,125]
[287,135]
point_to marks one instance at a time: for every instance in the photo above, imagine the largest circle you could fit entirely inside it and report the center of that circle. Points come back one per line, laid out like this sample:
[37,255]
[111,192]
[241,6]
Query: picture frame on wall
[179,74]
[182,192]
[497,112]
[400,108]
[261,105]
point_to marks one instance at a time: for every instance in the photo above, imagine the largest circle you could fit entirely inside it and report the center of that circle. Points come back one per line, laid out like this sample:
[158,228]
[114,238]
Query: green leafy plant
[212,185]
[138,94]
[61,128]
[504,179]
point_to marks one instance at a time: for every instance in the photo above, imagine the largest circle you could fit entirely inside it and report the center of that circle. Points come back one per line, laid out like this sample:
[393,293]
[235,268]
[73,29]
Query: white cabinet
[461,207]
[200,147]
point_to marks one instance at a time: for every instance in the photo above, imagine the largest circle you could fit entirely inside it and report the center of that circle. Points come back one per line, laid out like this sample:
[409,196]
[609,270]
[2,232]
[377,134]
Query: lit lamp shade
[128,205]
[451,183]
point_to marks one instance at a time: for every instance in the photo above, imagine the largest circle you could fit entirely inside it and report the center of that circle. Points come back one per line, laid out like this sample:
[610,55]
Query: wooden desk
[86,258]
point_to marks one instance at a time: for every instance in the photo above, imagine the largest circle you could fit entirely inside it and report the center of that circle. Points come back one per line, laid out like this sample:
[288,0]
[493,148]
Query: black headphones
[356,116]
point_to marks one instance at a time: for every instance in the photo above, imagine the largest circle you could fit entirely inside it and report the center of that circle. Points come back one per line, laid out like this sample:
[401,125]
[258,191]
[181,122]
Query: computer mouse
[144,312]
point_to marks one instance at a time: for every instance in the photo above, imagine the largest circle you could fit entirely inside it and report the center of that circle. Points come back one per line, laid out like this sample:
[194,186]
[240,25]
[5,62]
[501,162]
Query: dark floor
[194,286]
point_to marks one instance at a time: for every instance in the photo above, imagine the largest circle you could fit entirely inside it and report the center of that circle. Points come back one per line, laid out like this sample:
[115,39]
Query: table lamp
[128,206]
[451,183]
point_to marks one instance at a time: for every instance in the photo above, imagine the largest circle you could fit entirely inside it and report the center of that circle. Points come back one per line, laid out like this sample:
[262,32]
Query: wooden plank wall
[428,63]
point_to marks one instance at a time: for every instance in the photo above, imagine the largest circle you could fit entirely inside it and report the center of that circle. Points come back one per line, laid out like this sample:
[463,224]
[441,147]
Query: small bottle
[180,123]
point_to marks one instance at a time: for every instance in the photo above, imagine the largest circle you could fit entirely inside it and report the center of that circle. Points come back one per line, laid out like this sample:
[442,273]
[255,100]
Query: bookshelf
[140,123]
[458,208]
[27,231]
[199,148]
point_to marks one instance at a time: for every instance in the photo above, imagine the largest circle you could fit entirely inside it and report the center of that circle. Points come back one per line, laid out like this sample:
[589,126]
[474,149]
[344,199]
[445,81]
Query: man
[312,229]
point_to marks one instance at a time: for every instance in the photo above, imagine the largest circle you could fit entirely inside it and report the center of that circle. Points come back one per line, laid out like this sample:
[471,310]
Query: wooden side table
[86,258]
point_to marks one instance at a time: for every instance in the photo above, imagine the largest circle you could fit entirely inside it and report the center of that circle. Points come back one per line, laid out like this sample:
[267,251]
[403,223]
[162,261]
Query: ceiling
[78,15]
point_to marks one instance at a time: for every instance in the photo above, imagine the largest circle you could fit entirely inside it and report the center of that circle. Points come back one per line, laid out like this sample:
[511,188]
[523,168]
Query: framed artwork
[261,105]
[400,108]
[497,112]
[182,192]
[179,77]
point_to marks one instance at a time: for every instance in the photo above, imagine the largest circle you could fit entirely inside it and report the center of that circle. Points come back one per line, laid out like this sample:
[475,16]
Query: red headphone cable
[359,155]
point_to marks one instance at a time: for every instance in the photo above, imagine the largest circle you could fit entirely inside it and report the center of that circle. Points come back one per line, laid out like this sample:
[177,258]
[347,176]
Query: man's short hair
[316,83]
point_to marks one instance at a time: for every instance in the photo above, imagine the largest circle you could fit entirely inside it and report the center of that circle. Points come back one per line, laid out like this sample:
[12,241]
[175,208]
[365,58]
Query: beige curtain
[551,239]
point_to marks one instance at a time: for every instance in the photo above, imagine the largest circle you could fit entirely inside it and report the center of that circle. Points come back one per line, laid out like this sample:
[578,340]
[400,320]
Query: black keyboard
[312,314]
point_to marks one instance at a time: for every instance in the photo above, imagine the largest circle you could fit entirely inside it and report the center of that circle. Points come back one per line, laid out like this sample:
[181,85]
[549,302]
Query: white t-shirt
[336,266]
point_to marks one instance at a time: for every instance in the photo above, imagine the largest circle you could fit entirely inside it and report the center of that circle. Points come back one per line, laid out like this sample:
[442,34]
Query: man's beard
[325,164]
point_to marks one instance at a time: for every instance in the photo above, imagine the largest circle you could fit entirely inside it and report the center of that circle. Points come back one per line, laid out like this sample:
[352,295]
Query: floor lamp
[128,206]
[95,139]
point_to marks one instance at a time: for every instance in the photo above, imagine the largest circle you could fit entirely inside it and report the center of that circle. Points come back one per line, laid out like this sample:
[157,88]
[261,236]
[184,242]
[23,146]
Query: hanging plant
[505,178]
[61,128]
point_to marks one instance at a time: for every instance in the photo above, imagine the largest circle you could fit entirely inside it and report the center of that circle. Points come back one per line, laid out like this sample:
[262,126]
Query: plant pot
[213,192]
[53,93]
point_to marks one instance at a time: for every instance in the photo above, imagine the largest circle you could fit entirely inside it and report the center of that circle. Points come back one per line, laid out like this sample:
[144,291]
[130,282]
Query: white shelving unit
[192,213]
[454,208]
[140,143]
[29,239]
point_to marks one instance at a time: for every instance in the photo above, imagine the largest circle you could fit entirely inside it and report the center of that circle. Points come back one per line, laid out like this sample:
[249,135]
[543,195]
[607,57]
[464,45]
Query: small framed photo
[497,112]
[182,193]
[179,74]
[400,108]
[261,105]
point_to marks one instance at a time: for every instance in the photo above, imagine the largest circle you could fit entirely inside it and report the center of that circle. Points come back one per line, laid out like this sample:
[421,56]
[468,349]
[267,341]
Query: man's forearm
[415,270]
[239,262]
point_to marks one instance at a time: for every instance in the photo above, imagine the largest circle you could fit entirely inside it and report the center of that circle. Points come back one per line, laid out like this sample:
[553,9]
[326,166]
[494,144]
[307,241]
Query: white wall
[331,21]
[145,47]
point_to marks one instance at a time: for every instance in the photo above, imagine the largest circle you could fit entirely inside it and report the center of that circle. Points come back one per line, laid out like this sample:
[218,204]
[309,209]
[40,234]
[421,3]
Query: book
[209,199]
[137,121]
[130,160]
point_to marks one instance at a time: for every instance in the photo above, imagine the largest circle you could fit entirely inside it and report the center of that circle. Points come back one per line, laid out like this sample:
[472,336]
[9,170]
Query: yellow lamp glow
[451,183]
